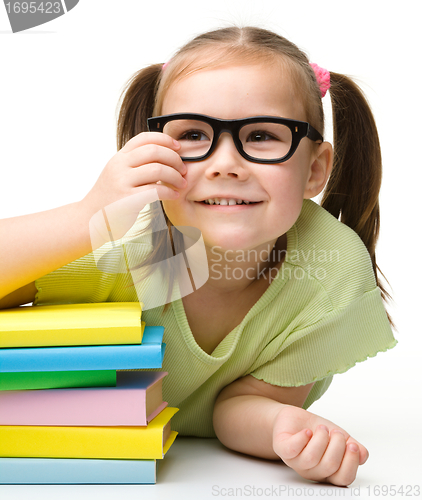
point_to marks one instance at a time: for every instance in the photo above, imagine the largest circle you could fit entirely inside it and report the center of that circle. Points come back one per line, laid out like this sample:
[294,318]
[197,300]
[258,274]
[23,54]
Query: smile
[227,201]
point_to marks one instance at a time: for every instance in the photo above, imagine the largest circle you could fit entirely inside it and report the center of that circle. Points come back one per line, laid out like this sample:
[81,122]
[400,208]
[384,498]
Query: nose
[225,160]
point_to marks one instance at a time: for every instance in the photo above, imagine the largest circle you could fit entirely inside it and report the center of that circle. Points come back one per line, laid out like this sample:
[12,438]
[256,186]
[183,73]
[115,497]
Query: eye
[260,136]
[264,133]
[193,135]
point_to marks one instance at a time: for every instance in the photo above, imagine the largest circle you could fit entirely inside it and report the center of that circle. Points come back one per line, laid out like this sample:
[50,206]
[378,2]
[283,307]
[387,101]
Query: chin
[231,243]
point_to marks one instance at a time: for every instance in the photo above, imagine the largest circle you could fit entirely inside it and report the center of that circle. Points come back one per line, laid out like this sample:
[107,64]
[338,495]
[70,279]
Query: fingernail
[176,143]
[324,427]
[353,447]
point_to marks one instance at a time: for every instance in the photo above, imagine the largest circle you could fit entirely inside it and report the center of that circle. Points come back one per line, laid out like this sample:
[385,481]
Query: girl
[236,150]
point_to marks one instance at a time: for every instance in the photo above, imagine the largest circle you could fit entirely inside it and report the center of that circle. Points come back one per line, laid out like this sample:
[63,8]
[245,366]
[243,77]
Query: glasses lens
[194,136]
[266,141]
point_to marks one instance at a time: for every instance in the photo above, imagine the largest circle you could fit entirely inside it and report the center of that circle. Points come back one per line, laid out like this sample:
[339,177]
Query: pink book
[136,399]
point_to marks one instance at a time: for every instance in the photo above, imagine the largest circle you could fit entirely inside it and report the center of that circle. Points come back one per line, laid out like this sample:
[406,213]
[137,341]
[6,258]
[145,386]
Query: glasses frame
[298,128]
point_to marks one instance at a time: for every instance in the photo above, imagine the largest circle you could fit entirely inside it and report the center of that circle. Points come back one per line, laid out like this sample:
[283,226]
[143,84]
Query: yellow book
[148,442]
[72,324]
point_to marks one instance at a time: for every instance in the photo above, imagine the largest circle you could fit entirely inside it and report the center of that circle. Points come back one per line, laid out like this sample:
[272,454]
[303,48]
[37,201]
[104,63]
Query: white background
[59,87]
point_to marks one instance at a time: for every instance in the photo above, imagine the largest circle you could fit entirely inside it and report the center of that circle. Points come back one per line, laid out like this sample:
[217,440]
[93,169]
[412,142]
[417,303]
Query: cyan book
[110,357]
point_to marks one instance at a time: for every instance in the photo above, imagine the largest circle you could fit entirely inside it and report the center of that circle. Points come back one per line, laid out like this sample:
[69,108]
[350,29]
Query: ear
[319,170]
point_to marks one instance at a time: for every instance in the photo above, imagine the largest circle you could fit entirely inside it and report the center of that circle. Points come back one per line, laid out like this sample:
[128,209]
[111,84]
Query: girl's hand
[145,170]
[149,160]
[316,448]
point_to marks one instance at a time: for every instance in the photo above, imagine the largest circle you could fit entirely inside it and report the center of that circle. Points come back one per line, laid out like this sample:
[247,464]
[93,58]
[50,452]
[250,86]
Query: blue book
[149,354]
[76,471]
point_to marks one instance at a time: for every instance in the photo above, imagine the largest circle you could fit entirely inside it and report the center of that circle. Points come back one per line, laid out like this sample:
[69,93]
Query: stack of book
[74,407]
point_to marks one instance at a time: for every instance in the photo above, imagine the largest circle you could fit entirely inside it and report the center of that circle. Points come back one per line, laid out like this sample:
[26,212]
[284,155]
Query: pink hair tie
[165,66]
[322,77]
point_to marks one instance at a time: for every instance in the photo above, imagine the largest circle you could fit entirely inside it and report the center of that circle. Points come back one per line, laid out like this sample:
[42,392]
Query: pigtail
[137,103]
[352,191]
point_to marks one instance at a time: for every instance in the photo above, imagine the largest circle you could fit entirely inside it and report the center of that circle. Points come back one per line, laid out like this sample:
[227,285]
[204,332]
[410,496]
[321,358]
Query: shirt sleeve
[78,282]
[102,276]
[86,281]
[332,345]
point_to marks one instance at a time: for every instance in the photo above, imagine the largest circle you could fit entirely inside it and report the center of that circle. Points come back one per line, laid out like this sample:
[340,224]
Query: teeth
[225,201]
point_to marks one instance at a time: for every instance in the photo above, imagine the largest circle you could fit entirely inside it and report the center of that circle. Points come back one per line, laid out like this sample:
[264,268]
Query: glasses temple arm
[313,134]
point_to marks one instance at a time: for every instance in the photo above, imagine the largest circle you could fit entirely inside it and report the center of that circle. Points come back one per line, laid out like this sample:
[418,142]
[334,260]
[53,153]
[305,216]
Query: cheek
[287,184]
[293,176]
[287,191]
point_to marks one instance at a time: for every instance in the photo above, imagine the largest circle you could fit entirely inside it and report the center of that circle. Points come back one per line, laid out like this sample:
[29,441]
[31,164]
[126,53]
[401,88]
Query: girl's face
[278,190]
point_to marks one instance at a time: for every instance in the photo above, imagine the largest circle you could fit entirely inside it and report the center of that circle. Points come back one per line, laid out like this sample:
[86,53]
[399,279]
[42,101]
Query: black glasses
[260,139]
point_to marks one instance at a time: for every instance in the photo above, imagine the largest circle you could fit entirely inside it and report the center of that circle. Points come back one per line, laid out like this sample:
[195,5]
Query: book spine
[76,407]
[88,442]
[68,407]
[124,404]
[68,337]
[76,471]
[72,324]
[115,357]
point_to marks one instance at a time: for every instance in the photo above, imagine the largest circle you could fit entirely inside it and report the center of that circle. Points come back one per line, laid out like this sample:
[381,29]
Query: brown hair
[351,194]
[352,190]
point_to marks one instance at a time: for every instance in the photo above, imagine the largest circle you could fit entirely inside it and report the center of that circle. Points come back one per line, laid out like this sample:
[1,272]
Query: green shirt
[321,314]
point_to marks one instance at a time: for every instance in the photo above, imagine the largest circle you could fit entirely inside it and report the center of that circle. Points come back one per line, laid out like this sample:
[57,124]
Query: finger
[314,450]
[331,461]
[164,192]
[289,446]
[150,138]
[346,474]
[153,153]
[156,172]
[363,452]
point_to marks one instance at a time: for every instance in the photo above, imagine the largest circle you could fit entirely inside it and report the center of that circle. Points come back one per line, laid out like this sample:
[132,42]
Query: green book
[17,381]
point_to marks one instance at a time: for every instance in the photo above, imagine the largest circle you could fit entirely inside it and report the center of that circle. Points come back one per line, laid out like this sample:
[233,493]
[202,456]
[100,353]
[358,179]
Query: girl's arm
[267,421]
[34,245]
